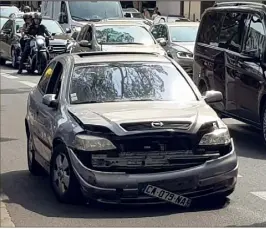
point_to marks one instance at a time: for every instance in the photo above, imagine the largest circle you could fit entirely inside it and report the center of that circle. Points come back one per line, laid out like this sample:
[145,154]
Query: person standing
[146,14]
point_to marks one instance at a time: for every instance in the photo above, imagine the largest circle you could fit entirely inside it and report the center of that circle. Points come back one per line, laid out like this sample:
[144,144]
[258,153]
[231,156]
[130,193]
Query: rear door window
[210,28]
[233,31]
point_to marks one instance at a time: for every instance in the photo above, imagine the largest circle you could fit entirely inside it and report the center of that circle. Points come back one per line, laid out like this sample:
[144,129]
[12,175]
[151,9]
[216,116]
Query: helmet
[37,16]
[26,9]
[27,16]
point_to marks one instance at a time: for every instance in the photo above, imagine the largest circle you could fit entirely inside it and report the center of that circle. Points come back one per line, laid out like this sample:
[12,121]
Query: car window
[155,31]
[232,31]
[53,26]
[55,80]
[117,82]
[88,34]
[210,28]
[255,36]
[114,34]
[42,85]
[3,21]
[8,25]
[164,32]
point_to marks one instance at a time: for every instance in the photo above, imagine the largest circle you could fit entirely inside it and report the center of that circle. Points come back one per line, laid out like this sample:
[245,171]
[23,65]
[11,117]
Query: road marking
[6,220]
[261,195]
[30,84]
[239,176]
[9,76]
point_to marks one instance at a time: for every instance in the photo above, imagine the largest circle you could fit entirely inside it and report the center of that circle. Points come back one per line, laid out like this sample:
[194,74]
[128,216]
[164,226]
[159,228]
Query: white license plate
[167,196]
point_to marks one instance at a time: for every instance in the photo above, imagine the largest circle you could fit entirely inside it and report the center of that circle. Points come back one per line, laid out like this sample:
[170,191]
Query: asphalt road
[30,202]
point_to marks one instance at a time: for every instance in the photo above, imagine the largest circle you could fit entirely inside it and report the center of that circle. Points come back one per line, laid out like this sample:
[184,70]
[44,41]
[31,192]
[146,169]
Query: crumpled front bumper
[213,177]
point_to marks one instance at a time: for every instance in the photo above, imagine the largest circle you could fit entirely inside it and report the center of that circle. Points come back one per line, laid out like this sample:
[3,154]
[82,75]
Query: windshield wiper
[122,43]
[79,18]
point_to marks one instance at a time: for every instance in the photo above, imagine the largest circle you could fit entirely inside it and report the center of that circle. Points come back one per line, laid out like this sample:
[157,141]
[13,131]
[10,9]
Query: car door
[5,37]
[38,122]
[48,116]
[250,79]
[231,40]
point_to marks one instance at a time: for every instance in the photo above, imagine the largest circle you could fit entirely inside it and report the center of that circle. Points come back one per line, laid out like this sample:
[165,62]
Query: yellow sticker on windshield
[48,73]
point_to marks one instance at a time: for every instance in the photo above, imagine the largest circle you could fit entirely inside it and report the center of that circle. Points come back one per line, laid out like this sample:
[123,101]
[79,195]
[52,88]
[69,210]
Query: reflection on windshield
[52,26]
[183,33]
[129,81]
[123,34]
[95,10]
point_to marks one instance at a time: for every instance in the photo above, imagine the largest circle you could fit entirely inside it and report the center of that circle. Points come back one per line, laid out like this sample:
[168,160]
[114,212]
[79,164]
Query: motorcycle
[39,55]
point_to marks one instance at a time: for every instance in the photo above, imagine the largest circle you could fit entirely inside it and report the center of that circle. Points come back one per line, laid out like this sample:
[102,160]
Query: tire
[14,58]
[63,179]
[34,167]
[263,123]
[43,60]
[2,61]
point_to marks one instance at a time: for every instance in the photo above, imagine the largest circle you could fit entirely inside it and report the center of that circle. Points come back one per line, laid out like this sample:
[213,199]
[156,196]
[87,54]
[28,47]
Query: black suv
[230,57]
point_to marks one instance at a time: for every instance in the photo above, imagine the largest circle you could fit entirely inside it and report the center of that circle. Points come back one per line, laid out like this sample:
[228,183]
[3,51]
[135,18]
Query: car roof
[103,57]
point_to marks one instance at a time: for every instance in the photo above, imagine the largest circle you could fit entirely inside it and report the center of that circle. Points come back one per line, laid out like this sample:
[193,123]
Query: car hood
[184,46]
[60,39]
[112,114]
[130,47]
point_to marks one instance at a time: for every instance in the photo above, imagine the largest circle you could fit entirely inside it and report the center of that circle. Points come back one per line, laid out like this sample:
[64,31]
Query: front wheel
[62,178]
[42,62]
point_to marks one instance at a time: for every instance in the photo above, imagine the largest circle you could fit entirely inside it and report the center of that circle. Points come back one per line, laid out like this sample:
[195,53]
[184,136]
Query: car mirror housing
[84,43]
[213,97]
[161,41]
[50,100]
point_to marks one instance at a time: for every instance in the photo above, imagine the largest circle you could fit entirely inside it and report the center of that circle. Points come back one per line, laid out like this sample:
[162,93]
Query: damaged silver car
[127,128]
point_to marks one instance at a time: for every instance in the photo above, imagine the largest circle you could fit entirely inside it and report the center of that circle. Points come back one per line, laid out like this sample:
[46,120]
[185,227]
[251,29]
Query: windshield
[137,15]
[3,21]
[126,34]
[84,10]
[6,11]
[52,26]
[183,33]
[129,81]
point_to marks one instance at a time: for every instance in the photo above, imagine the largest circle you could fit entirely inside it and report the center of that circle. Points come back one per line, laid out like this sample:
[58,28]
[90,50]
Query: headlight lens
[92,143]
[219,136]
[184,55]
[40,42]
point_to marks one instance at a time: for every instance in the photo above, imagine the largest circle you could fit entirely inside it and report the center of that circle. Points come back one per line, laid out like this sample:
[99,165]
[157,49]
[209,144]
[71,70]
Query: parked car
[169,18]
[127,127]
[122,35]
[5,11]
[230,57]
[10,39]
[3,20]
[132,13]
[178,40]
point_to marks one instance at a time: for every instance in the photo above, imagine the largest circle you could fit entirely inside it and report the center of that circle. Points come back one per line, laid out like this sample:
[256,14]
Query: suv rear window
[210,28]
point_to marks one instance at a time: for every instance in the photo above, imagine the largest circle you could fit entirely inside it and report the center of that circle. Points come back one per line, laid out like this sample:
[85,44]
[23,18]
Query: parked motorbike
[39,55]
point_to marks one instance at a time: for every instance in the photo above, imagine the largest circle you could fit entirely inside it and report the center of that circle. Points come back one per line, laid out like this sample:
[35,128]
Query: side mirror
[62,18]
[50,100]
[85,43]
[213,97]
[161,41]
[68,30]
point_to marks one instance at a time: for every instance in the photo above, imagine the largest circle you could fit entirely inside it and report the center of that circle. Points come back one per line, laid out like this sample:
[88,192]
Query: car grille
[57,49]
[140,126]
[157,152]
[189,70]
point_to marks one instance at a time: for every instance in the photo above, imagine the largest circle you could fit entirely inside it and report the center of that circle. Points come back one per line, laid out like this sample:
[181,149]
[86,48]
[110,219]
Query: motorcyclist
[27,17]
[35,29]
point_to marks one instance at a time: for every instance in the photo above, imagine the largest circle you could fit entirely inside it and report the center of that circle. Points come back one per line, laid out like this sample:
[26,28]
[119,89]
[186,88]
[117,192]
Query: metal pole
[189,8]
